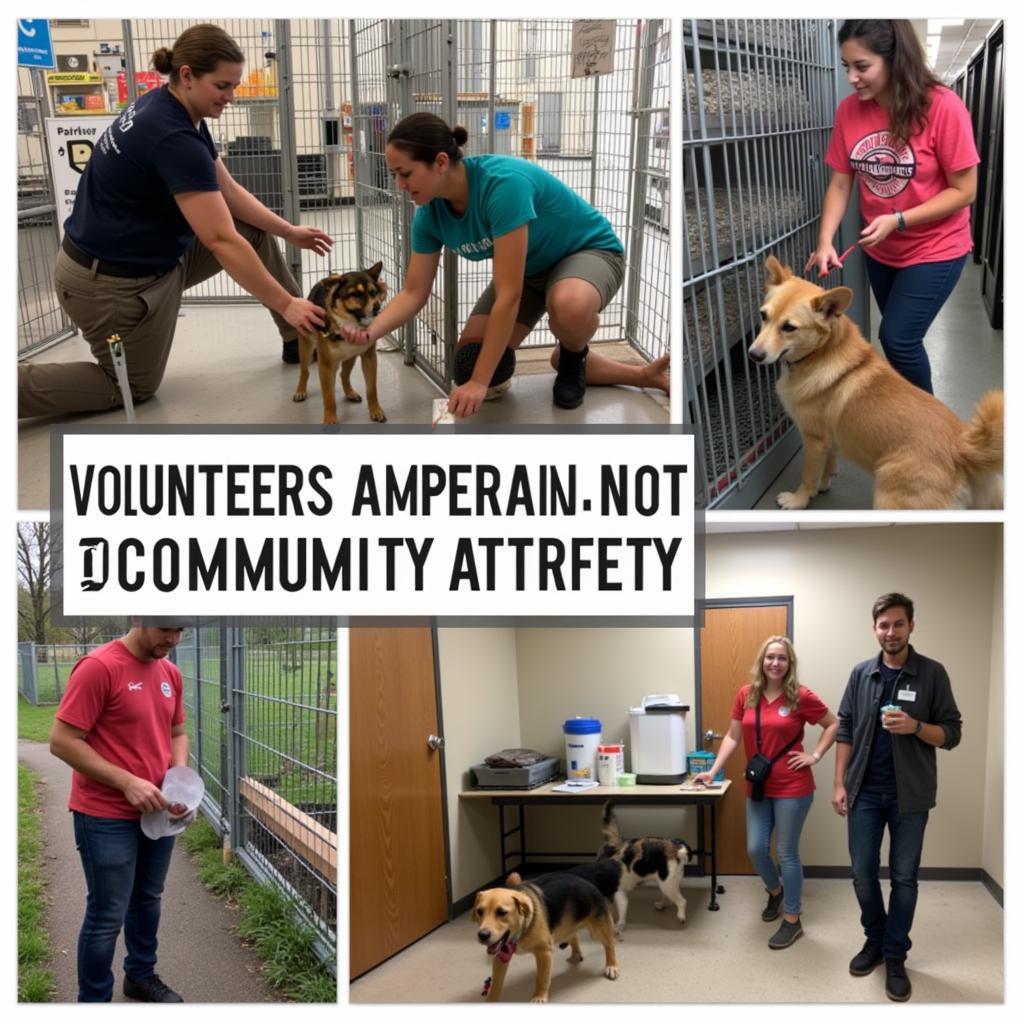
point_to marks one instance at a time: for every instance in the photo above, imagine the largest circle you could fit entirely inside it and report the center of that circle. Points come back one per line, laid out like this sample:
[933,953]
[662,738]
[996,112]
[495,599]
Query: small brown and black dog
[845,397]
[623,864]
[352,299]
[531,917]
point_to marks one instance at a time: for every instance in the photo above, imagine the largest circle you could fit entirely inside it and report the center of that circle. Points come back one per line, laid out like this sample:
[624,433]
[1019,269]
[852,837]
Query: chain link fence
[261,715]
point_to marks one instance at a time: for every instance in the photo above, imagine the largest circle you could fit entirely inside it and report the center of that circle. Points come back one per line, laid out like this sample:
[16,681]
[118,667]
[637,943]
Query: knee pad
[466,357]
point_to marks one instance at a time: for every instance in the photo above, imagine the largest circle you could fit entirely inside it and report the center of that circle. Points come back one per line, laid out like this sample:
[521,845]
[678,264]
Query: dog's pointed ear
[514,878]
[523,904]
[375,270]
[832,303]
[777,273]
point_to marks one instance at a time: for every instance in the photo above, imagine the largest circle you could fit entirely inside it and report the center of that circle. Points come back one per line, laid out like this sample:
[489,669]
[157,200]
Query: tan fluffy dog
[353,300]
[843,395]
[531,917]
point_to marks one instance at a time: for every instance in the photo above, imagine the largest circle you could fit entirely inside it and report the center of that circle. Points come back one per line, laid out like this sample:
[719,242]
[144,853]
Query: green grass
[34,723]
[265,921]
[35,980]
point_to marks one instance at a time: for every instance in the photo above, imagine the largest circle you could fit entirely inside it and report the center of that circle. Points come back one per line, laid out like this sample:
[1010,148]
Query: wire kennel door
[41,321]
[759,99]
[509,84]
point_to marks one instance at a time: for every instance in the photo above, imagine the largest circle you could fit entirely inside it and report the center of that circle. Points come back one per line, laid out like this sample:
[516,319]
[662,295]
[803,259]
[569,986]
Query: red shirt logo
[884,167]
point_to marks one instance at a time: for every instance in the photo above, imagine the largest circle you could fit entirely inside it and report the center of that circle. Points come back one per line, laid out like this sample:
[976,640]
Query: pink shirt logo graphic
[885,168]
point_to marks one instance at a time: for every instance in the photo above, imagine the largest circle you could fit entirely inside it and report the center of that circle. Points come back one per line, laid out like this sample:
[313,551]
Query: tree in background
[35,568]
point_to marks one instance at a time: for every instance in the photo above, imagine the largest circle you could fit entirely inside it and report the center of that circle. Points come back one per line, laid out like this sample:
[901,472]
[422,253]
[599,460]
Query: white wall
[480,710]
[953,574]
[992,846]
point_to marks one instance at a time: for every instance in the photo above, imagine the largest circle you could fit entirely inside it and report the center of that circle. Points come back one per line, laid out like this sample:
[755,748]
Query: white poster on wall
[593,47]
[71,141]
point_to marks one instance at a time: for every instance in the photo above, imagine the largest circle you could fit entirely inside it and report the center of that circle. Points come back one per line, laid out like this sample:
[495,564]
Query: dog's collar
[793,362]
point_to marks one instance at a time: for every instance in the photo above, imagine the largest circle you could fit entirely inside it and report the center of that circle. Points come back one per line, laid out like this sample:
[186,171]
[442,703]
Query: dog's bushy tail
[610,825]
[981,445]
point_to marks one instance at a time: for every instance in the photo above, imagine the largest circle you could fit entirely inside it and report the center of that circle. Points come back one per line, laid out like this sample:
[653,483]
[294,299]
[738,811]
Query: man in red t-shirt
[120,726]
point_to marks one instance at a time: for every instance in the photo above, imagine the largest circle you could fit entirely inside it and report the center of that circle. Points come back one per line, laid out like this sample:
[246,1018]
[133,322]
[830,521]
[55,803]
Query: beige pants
[144,312]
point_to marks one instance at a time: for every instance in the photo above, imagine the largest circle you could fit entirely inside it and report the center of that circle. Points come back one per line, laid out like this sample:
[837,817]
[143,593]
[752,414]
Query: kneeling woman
[552,251]
[769,715]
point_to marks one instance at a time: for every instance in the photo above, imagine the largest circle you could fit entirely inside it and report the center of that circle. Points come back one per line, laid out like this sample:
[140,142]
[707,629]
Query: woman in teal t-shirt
[552,252]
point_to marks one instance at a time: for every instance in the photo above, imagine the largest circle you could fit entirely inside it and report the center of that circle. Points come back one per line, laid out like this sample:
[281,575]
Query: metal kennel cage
[307,133]
[759,98]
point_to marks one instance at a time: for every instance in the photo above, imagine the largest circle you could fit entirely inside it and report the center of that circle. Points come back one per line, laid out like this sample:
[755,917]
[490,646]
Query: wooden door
[728,644]
[397,873]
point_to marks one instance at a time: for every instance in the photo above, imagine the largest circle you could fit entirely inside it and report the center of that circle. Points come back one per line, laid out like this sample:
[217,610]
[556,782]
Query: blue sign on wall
[35,48]
[502,119]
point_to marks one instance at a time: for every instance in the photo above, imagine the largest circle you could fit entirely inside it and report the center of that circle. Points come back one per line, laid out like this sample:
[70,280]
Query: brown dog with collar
[531,917]
[352,300]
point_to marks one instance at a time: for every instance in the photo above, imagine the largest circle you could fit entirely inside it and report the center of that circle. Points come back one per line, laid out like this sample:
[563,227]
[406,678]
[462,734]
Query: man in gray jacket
[897,708]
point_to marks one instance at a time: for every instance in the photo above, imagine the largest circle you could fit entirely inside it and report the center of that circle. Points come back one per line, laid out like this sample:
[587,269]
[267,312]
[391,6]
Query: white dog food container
[582,738]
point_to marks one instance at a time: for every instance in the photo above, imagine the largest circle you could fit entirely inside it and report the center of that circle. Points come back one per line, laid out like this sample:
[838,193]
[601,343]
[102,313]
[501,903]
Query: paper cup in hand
[180,786]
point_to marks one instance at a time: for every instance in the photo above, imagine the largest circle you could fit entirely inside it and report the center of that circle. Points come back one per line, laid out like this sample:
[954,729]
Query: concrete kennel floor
[225,368]
[723,956]
[966,354]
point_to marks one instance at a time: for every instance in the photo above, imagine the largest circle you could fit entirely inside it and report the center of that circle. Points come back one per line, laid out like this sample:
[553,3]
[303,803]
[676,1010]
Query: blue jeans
[909,299]
[868,818]
[124,876]
[786,816]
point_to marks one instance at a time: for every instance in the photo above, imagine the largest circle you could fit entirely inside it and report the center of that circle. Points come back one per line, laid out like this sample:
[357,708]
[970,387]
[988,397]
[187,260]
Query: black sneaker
[866,960]
[150,990]
[571,380]
[788,933]
[774,908]
[897,984]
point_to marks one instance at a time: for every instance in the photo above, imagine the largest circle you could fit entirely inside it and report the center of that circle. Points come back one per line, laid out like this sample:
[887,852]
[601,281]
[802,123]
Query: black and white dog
[623,864]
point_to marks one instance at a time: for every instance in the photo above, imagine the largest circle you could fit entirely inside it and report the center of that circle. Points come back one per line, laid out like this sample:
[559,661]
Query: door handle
[435,742]
[710,736]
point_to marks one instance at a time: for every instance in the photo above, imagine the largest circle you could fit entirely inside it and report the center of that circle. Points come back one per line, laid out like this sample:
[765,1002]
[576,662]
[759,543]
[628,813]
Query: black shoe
[774,908]
[150,990]
[465,362]
[571,380]
[897,984]
[866,960]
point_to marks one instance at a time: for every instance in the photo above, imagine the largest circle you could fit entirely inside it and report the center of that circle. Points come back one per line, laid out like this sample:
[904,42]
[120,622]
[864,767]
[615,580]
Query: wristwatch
[917,729]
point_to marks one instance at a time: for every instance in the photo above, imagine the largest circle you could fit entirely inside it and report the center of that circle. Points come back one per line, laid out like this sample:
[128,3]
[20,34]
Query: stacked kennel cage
[759,98]
[980,86]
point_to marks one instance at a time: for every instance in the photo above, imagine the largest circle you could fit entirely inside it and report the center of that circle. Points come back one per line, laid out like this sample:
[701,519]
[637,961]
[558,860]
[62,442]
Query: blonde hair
[790,685]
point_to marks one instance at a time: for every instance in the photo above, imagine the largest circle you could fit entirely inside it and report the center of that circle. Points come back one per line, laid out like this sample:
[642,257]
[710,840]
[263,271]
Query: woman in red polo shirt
[775,703]
[909,142]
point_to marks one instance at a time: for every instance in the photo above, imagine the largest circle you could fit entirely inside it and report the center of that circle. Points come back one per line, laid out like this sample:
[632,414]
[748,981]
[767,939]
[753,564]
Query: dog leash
[846,252]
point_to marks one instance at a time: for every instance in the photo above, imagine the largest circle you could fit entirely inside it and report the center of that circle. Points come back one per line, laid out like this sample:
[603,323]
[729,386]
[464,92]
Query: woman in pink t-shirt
[909,142]
[775,697]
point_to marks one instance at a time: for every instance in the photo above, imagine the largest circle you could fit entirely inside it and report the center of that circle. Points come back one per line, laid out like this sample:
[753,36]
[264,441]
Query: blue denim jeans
[909,299]
[786,816]
[124,876]
[868,818]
